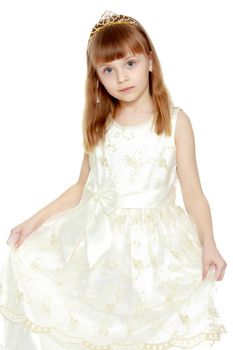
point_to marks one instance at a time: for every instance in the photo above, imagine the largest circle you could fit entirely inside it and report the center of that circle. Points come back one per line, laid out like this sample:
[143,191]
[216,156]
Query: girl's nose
[121,77]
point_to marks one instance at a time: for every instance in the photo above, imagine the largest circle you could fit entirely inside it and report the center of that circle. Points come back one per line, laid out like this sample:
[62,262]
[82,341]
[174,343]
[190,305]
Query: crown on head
[109,18]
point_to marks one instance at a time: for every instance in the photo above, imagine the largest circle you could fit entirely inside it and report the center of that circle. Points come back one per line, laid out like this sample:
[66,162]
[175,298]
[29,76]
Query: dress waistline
[91,217]
[147,199]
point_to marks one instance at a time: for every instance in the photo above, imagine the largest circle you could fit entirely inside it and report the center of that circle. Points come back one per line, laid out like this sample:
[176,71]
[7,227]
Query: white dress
[122,269]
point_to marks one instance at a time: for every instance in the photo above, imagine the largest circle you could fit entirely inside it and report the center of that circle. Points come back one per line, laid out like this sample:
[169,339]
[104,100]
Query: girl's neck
[137,115]
[137,109]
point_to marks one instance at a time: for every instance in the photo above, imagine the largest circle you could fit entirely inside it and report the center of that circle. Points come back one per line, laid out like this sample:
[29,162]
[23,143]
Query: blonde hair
[110,43]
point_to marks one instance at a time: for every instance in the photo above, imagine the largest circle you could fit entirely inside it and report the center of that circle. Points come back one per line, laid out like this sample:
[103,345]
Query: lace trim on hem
[182,343]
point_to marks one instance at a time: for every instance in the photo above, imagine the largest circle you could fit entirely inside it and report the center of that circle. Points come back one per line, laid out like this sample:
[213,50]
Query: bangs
[115,42]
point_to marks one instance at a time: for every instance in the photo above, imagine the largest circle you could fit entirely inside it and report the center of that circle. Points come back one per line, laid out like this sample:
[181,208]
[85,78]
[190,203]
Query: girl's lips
[126,89]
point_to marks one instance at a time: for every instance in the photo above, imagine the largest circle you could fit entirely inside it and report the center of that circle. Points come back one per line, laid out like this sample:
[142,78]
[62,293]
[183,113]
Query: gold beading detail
[212,337]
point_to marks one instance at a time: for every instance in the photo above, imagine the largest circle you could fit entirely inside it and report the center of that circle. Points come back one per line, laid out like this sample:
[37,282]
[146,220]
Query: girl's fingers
[19,241]
[205,269]
[222,274]
[13,238]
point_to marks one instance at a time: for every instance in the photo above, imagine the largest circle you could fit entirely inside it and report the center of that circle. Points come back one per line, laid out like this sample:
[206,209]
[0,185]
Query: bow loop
[91,218]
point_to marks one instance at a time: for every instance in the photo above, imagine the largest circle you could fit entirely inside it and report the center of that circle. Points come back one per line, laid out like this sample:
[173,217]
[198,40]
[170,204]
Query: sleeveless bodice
[140,163]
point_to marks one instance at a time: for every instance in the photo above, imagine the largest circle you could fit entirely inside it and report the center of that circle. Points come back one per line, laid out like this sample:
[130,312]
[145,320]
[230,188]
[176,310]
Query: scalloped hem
[59,336]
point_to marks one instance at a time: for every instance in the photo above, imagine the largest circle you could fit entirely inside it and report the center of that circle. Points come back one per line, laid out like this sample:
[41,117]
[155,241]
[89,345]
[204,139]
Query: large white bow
[91,219]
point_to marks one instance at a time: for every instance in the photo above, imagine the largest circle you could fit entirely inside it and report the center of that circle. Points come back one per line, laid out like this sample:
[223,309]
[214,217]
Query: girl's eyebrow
[104,64]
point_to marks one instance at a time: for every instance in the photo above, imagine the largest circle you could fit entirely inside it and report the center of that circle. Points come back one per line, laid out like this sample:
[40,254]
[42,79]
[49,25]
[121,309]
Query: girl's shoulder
[182,126]
[176,111]
[180,116]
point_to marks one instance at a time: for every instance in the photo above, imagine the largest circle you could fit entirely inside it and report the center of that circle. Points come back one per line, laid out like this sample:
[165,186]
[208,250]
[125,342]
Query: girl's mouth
[126,89]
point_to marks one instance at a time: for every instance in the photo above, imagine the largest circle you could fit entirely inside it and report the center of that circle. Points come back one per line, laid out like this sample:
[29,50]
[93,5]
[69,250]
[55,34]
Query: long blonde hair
[110,43]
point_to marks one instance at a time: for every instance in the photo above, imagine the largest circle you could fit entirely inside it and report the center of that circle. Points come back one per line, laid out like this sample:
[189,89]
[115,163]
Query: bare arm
[69,198]
[195,201]
[66,200]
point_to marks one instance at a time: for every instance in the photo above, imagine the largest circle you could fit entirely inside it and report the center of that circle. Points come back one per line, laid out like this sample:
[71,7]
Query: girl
[114,263]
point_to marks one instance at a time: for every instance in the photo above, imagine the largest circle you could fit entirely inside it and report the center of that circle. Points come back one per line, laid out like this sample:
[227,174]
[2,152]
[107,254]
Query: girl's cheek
[107,81]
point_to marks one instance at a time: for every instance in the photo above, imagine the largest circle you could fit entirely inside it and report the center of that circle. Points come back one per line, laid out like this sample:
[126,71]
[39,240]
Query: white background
[42,76]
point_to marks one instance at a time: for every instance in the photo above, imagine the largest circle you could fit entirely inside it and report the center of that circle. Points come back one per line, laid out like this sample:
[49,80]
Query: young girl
[114,263]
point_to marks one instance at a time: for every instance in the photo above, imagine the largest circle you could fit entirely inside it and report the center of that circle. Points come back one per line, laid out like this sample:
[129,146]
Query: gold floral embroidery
[103,161]
[165,156]
[133,162]
[53,240]
[137,216]
[74,321]
[190,342]
[184,318]
[45,308]
[212,310]
[19,295]
[137,263]
[112,263]
[162,163]
[136,244]
[128,135]
[143,306]
[110,307]
[175,253]
[103,331]
[116,134]
[169,299]
[120,219]
[109,145]
[34,266]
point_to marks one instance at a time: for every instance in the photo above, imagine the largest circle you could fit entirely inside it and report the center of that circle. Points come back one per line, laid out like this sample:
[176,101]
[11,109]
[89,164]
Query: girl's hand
[211,256]
[20,232]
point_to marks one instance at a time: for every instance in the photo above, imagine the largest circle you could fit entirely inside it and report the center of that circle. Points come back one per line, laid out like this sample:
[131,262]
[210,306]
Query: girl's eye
[106,69]
[131,62]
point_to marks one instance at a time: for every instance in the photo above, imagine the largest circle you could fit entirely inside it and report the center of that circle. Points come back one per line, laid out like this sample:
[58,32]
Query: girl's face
[131,72]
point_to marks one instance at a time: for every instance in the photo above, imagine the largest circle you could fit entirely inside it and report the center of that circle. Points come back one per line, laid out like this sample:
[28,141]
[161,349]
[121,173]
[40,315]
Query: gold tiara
[109,18]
